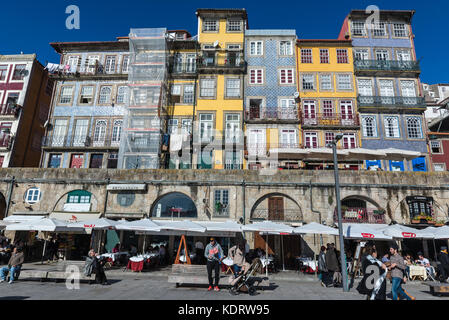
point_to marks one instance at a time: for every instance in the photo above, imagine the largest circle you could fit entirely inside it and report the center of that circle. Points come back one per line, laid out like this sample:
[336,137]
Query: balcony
[229,62]
[284,115]
[10,109]
[360,215]
[374,103]
[380,66]
[277,214]
[97,71]
[78,142]
[5,140]
[183,68]
[330,120]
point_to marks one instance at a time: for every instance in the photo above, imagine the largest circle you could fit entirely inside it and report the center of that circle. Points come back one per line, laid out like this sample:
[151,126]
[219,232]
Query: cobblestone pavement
[135,287]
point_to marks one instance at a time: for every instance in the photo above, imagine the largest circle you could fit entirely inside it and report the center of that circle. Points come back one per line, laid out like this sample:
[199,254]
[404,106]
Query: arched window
[414,128]
[175,205]
[369,126]
[105,95]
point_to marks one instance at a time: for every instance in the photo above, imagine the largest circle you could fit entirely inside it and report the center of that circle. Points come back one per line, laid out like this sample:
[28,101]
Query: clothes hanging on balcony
[176,142]
[52,67]
[72,69]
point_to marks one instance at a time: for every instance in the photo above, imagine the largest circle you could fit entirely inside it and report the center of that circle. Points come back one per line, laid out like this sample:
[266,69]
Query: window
[358,28]
[80,134]
[186,126]
[19,72]
[344,81]
[386,90]
[13,98]
[256,48]
[306,55]
[403,55]
[414,127]
[66,95]
[125,64]
[328,138]
[361,54]
[210,25]
[399,30]
[206,127]
[232,128]
[324,55]
[172,127]
[287,103]
[232,87]
[116,131]
[391,127]
[207,88]
[92,63]
[73,61]
[328,108]
[96,161]
[382,54]
[59,132]
[379,29]
[285,48]
[234,25]
[369,126]
[256,76]
[121,91]
[435,146]
[79,196]
[54,160]
[308,82]
[288,138]
[176,90]
[365,87]
[286,76]
[439,167]
[110,64]
[32,195]
[342,56]
[309,110]
[408,88]
[325,82]
[188,94]
[100,132]
[87,94]
[3,72]
[232,160]
[346,111]
[349,141]
[105,95]
[125,199]
[311,140]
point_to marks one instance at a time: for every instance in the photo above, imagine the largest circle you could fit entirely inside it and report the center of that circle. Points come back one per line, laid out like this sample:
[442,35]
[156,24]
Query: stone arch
[362,198]
[360,209]
[182,204]
[402,210]
[2,206]
[59,204]
[289,211]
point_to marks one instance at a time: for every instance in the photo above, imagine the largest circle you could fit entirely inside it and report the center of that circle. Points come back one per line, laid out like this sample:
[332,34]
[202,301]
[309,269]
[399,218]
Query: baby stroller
[243,281]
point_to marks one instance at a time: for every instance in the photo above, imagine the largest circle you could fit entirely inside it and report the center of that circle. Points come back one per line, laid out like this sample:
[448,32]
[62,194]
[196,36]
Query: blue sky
[29,25]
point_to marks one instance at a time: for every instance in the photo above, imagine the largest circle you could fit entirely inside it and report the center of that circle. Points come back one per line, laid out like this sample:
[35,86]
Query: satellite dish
[216,43]
[296,95]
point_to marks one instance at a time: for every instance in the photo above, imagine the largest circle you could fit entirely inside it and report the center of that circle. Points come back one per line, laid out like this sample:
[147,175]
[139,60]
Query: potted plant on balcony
[430,220]
[439,223]
[417,219]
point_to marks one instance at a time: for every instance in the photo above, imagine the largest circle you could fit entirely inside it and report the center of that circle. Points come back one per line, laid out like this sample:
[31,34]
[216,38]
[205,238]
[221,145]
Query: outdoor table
[418,271]
[228,262]
[265,261]
[308,263]
[135,263]
[183,257]
[114,256]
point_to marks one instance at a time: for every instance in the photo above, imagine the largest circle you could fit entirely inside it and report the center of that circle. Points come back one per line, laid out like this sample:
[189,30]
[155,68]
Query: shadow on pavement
[14,298]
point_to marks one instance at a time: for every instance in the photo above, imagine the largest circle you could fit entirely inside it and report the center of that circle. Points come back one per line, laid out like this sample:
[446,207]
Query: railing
[88,70]
[257,149]
[183,68]
[276,114]
[277,214]
[228,60]
[360,215]
[78,141]
[9,109]
[370,101]
[334,119]
[5,140]
[386,65]
[286,145]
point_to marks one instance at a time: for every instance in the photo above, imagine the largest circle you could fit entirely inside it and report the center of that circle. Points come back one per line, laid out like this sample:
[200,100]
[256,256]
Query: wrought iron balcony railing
[5,140]
[330,119]
[78,141]
[373,101]
[183,68]
[360,215]
[280,114]
[10,109]
[386,65]
[277,214]
[222,60]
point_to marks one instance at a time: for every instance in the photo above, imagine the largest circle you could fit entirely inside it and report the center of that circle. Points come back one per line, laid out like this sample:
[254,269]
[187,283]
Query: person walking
[14,265]
[238,257]
[443,267]
[397,268]
[214,255]
[322,269]
[373,283]
[331,264]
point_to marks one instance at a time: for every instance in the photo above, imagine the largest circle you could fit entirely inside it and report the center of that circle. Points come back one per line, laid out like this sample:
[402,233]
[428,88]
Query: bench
[437,288]
[197,274]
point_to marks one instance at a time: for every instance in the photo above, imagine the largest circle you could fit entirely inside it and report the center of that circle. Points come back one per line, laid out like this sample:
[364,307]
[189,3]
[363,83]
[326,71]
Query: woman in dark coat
[373,283]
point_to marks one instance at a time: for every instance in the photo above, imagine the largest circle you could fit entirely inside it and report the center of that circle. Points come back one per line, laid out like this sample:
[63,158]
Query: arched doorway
[360,209]
[2,207]
[174,205]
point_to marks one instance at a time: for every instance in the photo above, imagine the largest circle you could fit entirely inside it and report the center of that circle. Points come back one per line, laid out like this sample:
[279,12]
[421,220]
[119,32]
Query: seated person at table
[238,257]
[424,262]
[116,248]
[14,265]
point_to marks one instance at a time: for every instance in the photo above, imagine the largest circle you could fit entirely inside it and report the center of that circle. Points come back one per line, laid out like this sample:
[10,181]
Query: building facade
[434,94]
[88,105]
[390,100]
[25,94]
[271,111]
[328,96]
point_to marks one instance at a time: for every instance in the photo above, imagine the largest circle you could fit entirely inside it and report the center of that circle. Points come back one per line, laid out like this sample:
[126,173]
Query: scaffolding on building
[145,114]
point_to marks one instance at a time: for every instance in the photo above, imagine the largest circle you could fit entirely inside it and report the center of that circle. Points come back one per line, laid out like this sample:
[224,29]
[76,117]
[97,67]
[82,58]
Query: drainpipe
[11,187]
[314,211]
[106,198]
[244,199]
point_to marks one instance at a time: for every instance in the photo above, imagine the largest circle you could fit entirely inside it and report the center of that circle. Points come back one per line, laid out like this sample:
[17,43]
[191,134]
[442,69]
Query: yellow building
[328,95]
[219,109]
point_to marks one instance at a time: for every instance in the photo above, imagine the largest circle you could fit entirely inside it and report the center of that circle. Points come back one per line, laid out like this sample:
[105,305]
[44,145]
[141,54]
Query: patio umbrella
[399,154]
[362,231]
[365,154]
[432,230]
[4,223]
[139,225]
[315,228]
[290,153]
[326,154]
[97,224]
[402,232]
[229,225]
[183,226]
[442,232]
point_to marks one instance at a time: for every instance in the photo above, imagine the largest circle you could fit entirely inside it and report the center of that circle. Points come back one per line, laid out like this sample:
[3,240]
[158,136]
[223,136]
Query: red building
[438,137]
[25,96]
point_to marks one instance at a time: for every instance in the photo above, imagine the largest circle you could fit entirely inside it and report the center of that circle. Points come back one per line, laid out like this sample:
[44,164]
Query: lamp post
[344,271]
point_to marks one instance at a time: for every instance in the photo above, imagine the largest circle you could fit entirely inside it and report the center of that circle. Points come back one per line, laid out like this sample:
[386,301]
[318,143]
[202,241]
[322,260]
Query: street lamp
[344,271]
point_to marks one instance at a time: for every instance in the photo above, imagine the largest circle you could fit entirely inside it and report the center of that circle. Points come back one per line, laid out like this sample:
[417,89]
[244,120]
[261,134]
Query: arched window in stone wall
[176,205]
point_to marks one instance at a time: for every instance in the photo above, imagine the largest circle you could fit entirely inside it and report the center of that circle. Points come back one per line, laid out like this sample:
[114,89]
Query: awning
[442,233]
[315,228]
[230,226]
[400,155]
[97,224]
[402,232]
[290,153]
[326,154]
[184,225]
[268,227]
[363,231]
[45,224]
[23,218]
[73,217]
[139,225]
[360,154]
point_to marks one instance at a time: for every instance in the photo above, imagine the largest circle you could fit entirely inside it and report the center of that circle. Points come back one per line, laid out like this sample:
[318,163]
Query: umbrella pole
[266,254]
[43,251]
[282,247]
[144,239]
[434,248]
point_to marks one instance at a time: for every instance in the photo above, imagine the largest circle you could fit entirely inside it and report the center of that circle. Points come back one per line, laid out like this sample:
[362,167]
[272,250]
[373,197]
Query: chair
[430,273]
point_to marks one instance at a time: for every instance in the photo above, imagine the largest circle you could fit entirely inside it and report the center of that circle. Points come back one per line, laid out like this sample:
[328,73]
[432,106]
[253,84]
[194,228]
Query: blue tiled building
[390,97]
[271,112]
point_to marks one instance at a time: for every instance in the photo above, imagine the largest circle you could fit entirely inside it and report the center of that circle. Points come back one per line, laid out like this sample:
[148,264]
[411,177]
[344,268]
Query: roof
[325,42]
[408,14]
[60,47]
[17,57]
[222,13]
[271,32]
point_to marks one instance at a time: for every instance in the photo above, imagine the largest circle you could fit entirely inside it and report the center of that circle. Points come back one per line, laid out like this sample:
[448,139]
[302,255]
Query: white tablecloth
[418,271]
[136,259]
[149,255]
[183,258]
[265,261]
[114,256]
[228,261]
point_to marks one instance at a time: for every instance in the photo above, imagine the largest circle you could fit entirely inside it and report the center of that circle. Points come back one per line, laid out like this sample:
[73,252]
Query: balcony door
[386,91]
[347,112]
[288,139]
[276,209]
[77,161]
[309,112]
[100,132]
[59,133]
[232,128]
[80,135]
[256,142]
